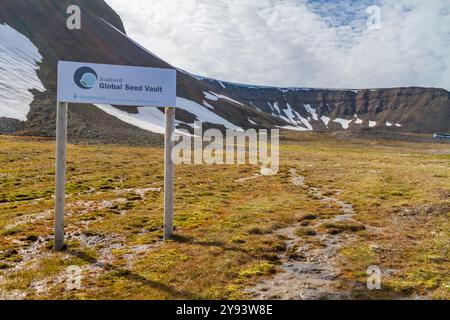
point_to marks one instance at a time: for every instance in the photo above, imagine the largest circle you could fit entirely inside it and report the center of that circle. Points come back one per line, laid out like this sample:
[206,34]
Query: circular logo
[85,78]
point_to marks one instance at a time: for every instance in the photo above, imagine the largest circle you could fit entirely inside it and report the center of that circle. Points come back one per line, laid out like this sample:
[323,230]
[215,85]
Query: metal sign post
[169,168]
[60,173]
[115,85]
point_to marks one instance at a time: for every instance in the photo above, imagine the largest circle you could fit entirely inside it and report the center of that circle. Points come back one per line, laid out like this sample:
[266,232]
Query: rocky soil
[309,269]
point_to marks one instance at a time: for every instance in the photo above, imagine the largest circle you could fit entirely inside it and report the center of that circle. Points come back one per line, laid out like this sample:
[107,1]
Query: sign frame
[116,84]
[61,158]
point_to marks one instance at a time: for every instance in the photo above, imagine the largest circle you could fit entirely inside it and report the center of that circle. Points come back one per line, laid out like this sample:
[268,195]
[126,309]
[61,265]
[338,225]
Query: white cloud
[296,43]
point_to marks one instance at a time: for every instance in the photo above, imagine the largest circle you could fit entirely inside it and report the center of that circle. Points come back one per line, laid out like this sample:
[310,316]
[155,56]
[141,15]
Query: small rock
[376,248]
[32,238]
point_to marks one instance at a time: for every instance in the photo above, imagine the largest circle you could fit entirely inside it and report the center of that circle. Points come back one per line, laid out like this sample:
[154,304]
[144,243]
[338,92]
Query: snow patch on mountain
[357,120]
[312,111]
[203,114]
[344,122]
[275,107]
[293,117]
[152,119]
[210,96]
[221,96]
[326,120]
[19,59]
[206,104]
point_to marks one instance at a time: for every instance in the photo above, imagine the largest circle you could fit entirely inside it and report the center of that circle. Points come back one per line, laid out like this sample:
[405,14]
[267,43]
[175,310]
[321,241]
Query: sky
[298,43]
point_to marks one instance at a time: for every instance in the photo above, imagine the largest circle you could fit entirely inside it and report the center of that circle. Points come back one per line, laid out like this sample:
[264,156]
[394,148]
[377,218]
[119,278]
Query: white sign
[116,85]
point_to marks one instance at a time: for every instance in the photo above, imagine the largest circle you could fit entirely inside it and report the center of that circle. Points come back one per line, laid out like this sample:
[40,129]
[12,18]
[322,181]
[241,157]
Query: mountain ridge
[221,104]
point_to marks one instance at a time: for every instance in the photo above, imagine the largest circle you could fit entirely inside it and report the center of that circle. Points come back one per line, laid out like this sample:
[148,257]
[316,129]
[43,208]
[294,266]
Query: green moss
[339,227]
[361,256]
[125,206]
[116,275]
[76,187]
[238,240]
[11,255]
[305,232]
[396,193]
[308,217]
[10,231]
[263,269]
[259,230]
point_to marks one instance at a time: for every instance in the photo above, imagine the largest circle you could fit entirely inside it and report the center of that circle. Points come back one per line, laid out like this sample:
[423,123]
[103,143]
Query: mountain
[419,110]
[34,36]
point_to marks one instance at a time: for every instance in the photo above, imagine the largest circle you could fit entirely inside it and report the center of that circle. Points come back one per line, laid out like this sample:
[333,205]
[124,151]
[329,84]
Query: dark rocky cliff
[102,40]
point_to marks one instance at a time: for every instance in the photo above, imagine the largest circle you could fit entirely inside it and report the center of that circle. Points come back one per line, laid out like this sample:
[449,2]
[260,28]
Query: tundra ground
[235,237]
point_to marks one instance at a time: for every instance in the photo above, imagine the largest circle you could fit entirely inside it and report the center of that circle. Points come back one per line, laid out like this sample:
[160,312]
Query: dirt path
[309,268]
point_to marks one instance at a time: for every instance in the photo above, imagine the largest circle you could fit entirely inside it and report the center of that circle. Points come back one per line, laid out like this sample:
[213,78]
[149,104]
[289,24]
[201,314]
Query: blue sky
[343,12]
[305,43]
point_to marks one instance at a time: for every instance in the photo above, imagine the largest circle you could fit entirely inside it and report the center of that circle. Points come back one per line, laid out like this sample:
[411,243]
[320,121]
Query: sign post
[169,169]
[60,173]
[90,83]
